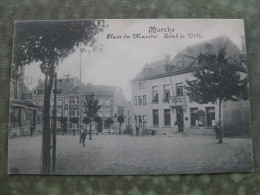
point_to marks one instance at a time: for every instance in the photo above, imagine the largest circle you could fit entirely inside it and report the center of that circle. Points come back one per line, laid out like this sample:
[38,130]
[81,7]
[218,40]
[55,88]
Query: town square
[85,103]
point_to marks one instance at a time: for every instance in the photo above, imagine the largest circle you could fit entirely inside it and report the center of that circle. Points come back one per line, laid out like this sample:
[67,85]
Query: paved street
[114,154]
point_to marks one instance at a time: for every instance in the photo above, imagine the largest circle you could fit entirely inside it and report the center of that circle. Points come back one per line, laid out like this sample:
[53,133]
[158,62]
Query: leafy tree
[120,119]
[110,122]
[49,43]
[91,109]
[86,120]
[218,81]
[74,120]
[63,121]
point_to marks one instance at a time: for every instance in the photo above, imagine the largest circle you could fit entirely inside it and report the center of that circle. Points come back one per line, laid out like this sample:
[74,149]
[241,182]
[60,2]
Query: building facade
[113,104]
[159,97]
[24,115]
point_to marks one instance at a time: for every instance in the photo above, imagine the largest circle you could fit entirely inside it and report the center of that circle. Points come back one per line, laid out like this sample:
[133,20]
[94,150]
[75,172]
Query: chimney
[167,59]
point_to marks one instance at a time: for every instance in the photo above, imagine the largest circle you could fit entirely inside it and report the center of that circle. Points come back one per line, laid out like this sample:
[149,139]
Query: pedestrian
[83,137]
[137,131]
[216,128]
[176,127]
[31,131]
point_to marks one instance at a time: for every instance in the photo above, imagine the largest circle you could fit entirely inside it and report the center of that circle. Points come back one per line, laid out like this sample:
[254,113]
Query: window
[59,101]
[135,120]
[210,114]
[39,118]
[193,116]
[155,118]
[201,118]
[140,100]
[66,113]
[179,89]
[40,102]
[140,121]
[135,99]
[155,94]
[167,117]
[35,92]
[144,84]
[135,86]
[59,113]
[166,93]
[140,85]
[12,91]
[115,115]
[107,102]
[144,99]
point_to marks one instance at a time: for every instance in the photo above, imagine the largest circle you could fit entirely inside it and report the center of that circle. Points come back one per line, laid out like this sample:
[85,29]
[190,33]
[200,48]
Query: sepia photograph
[129,97]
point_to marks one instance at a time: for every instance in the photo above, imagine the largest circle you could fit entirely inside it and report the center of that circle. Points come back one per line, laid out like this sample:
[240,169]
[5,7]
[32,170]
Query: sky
[122,59]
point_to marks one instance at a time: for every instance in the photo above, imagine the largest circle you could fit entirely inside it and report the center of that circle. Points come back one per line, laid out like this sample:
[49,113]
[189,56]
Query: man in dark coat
[83,137]
[137,131]
[31,131]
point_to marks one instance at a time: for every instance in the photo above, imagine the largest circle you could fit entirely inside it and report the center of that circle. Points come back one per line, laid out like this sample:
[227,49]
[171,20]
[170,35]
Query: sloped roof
[63,85]
[97,90]
[24,103]
[188,58]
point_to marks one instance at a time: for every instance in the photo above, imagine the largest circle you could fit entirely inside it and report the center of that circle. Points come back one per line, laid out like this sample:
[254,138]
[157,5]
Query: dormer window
[191,51]
[179,63]
[208,46]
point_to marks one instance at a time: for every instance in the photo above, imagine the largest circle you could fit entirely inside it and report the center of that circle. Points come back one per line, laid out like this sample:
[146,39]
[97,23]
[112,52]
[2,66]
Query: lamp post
[79,89]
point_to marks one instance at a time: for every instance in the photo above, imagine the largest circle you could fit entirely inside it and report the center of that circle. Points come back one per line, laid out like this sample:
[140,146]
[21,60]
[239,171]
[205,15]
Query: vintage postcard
[129,97]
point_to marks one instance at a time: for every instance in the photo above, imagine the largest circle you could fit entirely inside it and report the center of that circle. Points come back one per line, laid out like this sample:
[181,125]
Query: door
[179,117]
[144,125]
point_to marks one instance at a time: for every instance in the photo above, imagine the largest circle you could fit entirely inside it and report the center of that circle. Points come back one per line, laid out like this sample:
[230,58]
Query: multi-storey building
[159,98]
[63,85]
[110,98]
[113,104]
[24,115]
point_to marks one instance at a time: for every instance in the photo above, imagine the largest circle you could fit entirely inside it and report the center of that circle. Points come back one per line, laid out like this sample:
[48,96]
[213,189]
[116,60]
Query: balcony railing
[178,101]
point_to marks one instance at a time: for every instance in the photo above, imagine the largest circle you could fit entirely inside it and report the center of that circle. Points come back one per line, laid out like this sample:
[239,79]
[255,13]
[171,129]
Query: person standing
[83,137]
[137,131]
[31,131]
[176,127]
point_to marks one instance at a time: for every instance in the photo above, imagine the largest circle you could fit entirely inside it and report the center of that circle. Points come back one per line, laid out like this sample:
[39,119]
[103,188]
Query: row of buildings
[112,101]
[159,99]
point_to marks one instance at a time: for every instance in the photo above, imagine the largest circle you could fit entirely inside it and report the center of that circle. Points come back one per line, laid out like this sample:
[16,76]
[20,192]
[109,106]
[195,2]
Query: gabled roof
[63,85]
[187,59]
[97,90]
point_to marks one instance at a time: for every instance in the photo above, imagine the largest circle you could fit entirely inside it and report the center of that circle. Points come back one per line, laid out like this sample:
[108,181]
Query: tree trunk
[220,133]
[46,139]
[90,132]
[119,128]
[54,128]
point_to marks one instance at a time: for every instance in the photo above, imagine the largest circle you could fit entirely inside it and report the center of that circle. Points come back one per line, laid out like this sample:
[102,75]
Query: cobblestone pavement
[114,154]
